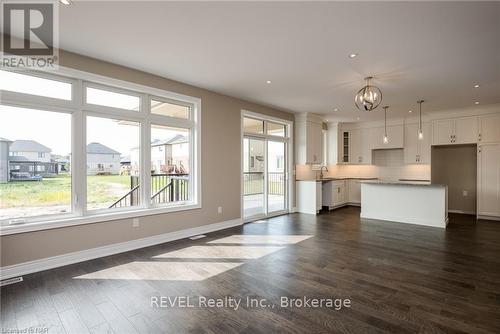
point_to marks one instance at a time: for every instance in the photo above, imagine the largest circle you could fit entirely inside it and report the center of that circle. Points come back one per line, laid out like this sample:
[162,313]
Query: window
[108,187]
[23,192]
[170,109]
[27,84]
[112,99]
[276,129]
[170,168]
[48,175]
[251,125]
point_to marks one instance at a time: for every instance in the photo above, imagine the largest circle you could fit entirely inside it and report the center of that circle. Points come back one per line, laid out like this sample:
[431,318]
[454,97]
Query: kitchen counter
[421,203]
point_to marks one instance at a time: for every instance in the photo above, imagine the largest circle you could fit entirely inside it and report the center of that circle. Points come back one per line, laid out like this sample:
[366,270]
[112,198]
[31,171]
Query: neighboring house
[102,160]
[167,156]
[4,159]
[30,160]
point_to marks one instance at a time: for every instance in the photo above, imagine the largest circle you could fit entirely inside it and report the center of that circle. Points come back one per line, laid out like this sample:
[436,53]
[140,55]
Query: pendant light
[420,133]
[368,97]
[386,139]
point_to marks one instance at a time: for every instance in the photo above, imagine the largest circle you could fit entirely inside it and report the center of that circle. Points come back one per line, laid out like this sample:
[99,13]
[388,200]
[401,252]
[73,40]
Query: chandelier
[368,97]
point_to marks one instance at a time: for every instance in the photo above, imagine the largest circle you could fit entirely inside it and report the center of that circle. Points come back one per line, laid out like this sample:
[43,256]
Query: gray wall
[220,142]
[456,166]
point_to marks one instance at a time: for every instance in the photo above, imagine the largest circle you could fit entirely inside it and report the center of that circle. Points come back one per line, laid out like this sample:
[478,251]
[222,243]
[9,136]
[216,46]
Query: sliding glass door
[264,168]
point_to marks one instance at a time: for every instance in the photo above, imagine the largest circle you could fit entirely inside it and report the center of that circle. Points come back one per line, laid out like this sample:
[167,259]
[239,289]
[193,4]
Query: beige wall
[456,166]
[220,156]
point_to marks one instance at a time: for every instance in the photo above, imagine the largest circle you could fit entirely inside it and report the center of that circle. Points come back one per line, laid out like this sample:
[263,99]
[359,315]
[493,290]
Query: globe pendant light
[420,132]
[368,97]
[386,139]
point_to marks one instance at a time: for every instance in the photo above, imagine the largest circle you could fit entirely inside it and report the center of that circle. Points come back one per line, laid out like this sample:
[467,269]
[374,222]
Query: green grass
[57,191]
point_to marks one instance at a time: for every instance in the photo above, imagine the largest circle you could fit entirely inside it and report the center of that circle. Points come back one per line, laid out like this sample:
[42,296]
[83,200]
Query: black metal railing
[165,188]
[253,183]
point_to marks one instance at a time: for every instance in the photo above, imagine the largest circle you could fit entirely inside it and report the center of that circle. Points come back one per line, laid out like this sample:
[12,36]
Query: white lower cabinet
[488,180]
[334,194]
[354,191]
[308,196]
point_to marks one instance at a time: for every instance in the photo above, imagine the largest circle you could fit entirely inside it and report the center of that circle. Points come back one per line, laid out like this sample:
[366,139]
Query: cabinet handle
[479,149]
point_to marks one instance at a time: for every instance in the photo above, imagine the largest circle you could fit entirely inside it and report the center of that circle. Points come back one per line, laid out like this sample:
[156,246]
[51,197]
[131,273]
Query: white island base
[412,203]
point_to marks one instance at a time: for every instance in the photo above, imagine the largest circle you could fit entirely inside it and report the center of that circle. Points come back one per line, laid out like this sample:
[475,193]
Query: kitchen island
[421,203]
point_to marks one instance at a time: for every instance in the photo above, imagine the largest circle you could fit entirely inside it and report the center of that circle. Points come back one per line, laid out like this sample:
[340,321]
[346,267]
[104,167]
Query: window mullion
[145,154]
[78,156]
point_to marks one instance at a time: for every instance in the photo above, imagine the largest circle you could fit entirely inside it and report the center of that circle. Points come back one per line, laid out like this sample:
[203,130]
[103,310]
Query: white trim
[94,253]
[494,218]
[91,219]
[462,212]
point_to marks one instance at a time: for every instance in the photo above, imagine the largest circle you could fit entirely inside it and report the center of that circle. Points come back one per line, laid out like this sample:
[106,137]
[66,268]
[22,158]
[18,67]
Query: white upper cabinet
[395,133]
[359,146]
[309,139]
[489,128]
[455,131]
[417,151]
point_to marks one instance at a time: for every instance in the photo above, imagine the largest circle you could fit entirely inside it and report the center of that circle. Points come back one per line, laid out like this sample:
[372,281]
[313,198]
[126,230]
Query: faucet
[321,171]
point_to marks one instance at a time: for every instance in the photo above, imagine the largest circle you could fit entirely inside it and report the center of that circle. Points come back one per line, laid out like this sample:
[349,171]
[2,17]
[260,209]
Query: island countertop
[405,183]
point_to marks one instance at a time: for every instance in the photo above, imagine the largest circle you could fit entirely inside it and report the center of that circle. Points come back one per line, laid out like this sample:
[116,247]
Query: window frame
[79,110]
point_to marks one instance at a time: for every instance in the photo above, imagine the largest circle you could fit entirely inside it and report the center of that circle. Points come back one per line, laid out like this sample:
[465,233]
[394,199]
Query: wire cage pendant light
[369,97]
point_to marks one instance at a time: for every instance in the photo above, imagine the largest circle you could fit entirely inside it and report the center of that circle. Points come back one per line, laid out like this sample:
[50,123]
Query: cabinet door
[355,155]
[354,191]
[411,144]
[319,198]
[424,145]
[336,195]
[489,179]
[466,130]
[314,142]
[443,131]
[489,129]
[366,146]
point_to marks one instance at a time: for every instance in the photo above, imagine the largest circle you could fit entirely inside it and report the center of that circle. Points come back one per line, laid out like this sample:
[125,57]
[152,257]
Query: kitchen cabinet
[395,133]
[309,196]
[462,130]
[489,129]
[309,139]
[488,180]
[334,194]
[360,149]
[354,191]
[417,151]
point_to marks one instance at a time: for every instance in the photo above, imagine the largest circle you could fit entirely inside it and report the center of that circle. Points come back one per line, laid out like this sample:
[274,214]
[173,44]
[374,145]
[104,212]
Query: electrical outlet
[135,222]
[465,193]
[219,209]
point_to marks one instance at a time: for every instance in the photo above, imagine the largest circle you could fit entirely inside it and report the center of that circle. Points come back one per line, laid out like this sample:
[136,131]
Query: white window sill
[98,218]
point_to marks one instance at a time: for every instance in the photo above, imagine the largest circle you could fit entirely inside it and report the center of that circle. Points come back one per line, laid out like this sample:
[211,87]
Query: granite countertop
[405,183]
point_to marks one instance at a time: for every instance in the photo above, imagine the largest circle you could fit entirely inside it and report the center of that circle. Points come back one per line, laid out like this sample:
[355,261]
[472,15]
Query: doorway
[265,167]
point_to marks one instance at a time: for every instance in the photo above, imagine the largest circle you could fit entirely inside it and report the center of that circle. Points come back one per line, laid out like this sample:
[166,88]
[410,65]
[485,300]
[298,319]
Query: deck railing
[253,183]
[165,188]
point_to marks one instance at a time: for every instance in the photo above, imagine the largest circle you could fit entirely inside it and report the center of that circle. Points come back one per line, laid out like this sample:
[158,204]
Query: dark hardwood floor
[399,278]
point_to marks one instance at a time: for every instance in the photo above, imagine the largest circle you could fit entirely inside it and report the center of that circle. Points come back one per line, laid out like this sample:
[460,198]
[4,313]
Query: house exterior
[4,159]
[102,160]
[30,160]
[169,156]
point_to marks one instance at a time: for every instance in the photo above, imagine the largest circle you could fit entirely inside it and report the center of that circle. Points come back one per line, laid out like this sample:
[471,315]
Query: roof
[177,139]
[125,159]
[98,148]
[5,139]
[18,159]
[28,146]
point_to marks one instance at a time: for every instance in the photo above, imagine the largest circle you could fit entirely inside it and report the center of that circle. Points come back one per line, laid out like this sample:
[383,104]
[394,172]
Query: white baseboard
[94,253]
[495,218]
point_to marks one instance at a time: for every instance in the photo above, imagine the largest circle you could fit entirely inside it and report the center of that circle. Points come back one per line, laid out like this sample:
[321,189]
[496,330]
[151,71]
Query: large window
[81,147]
[35,167]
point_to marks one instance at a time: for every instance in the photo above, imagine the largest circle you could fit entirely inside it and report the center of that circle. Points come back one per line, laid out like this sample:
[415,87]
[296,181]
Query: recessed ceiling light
[477,102]
[357,118]
[477,86]
[65,2]
[335,109]
[353,55]
[410,111]
[268,82]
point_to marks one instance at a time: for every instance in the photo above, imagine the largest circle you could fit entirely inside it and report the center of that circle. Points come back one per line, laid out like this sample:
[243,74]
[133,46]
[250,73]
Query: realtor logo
[29,34]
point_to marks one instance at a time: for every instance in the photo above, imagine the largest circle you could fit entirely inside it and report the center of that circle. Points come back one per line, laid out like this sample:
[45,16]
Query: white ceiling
[431,50]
